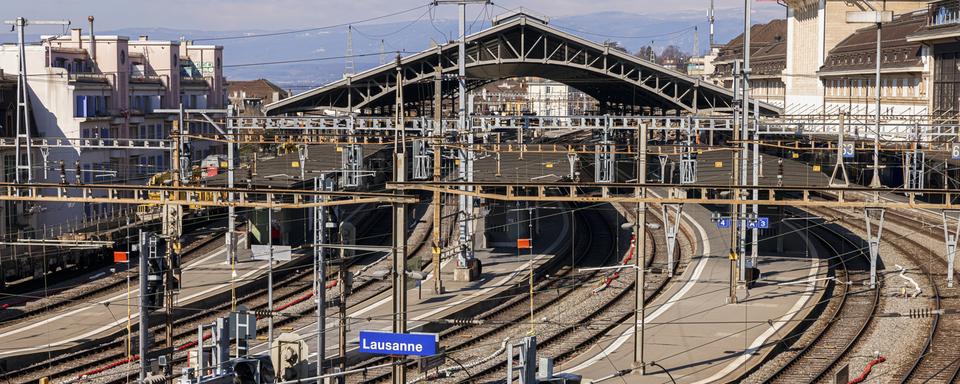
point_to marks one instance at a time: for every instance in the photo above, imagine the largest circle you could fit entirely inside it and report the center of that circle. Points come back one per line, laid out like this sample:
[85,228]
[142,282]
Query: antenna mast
[349,68]
[710,18]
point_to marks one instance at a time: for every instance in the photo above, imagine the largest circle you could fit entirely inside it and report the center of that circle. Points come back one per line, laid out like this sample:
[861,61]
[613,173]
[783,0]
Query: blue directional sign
[385,343]
[763,222]
[758,223]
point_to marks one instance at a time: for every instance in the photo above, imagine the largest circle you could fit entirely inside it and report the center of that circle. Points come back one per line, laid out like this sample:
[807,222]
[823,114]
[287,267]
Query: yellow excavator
[152,211]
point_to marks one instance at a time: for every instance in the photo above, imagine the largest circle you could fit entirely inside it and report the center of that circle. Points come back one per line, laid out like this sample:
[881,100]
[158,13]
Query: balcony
[145,79]
[82,77]
[193,82]
[943,13]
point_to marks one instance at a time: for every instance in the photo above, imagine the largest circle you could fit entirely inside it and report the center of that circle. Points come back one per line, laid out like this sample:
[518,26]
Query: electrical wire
[338,25]
[376,36]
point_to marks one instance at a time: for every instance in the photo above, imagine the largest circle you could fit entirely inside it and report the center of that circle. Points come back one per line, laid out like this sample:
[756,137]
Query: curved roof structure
[521,46]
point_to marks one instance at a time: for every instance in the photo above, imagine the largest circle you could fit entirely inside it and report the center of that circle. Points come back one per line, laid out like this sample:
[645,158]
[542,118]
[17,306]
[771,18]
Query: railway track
[568,335]
[939,361]
[581,332]
[850,310]
[293,311]
[69,296]
[298,280]
[501,316]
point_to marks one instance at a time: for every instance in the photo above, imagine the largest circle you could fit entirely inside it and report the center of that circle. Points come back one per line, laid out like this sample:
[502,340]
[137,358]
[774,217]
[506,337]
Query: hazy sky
[288,14]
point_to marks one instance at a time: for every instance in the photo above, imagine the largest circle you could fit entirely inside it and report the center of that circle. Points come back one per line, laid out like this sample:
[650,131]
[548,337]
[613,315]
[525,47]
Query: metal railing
[892,127]
[943,13]
[88,77]
[92,143]
[145,79]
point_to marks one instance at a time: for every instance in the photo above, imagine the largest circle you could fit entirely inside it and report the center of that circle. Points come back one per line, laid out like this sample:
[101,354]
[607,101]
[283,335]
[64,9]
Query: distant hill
[630,30]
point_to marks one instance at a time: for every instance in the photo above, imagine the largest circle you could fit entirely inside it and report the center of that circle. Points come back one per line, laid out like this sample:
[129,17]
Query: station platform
[692,330]
[501,269]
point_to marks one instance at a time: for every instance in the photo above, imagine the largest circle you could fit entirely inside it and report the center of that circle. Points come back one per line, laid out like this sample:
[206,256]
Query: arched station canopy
[521,46]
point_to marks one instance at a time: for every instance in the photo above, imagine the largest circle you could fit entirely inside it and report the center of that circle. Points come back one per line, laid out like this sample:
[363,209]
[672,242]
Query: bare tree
[615,45]
[646,53]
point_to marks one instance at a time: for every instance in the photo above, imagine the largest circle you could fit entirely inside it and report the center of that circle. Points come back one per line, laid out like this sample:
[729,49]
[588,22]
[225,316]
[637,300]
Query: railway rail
[94,358]
[850,309]
[515,308]
[471,341]
[939,359]
[59,298]
[577,335]
[296,290]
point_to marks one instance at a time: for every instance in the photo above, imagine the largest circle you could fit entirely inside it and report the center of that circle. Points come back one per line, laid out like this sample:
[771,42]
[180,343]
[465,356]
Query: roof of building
[259,89]
[858,51]
[279,171]
[767,42]
[618,78]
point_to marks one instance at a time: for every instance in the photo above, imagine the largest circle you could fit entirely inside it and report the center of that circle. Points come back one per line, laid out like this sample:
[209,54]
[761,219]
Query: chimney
[75,36]
[144,37]
[93,41]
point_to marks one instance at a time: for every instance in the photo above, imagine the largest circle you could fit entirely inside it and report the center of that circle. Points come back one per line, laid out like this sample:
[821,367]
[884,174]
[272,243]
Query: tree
[615,45]
[672,53]
[674,57]
[646,53]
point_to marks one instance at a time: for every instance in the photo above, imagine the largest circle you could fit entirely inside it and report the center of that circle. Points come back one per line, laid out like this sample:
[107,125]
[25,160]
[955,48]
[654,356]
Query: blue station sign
[385,343]
[757,223]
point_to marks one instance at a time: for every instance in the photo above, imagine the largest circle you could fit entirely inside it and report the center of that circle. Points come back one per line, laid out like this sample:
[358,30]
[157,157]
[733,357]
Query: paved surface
[692,331]
[501,268]
[76,324]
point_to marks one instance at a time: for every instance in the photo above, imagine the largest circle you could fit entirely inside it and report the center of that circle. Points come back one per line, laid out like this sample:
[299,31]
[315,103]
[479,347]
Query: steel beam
[951,232]
[671,225]
[708,194]
[871,215]
[188,195]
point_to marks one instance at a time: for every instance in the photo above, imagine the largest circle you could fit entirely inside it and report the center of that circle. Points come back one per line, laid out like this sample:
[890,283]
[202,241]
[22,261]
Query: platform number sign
[848,151]
[955,151]
[760,222]
[753,223]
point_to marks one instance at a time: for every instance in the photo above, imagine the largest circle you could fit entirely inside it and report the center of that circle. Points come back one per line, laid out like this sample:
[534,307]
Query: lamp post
[877,17]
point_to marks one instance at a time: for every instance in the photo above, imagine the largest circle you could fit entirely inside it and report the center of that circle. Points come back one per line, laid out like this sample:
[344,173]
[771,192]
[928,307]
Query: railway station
[523,200]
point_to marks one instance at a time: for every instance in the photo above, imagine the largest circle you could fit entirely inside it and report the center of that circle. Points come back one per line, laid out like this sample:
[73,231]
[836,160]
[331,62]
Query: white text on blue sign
[385,343]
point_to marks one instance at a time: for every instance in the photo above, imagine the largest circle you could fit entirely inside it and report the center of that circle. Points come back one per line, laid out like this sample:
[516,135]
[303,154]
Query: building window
[90,106]
[87,173]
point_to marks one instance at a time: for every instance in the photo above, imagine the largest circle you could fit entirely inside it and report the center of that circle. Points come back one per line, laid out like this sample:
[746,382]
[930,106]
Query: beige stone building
[767,61]
[108,87]
[848,76]
[249,96]
[939,36]
[814,29]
